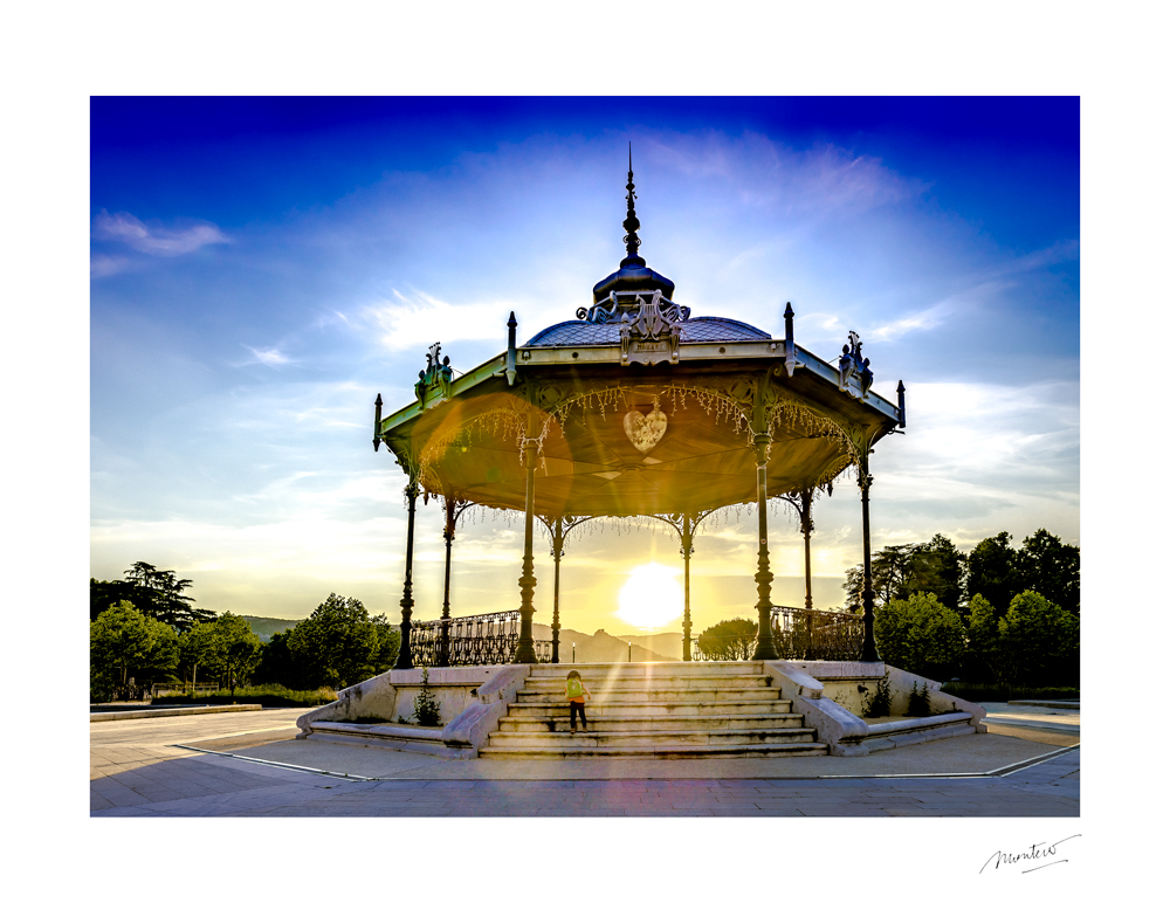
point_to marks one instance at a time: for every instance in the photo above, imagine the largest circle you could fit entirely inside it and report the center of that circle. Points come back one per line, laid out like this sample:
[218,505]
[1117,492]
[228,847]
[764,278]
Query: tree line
[997,615]
[145,629]
[993,569]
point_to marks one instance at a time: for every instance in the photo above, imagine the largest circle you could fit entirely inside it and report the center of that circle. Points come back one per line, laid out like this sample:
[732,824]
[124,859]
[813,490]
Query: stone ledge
[96,716]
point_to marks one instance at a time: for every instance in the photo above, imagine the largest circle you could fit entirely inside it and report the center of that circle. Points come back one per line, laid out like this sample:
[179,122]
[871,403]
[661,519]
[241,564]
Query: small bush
[426,706]
[879,702]
[919,705]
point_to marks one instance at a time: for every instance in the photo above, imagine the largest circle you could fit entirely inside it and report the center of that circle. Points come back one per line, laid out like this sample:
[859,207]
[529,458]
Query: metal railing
[488,638]
[800,634]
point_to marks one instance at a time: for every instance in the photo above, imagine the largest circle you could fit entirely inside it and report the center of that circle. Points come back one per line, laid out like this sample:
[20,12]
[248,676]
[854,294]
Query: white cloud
[101,266]
[122,227]
[270,357]
[768,174]
[923,320]
[416,321]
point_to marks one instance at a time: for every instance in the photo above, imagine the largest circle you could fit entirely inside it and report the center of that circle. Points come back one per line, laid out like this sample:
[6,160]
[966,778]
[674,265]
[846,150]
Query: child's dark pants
[575,708]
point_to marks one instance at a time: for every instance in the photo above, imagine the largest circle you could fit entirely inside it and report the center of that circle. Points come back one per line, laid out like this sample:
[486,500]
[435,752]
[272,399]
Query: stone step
[648,670]
[651,709]
[619,696]
[664,739]
[571,750]
[672,683]
[619,724]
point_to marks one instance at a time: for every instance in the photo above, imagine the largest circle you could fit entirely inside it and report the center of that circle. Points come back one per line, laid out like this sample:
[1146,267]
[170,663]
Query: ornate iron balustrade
[488,638]
[801,634]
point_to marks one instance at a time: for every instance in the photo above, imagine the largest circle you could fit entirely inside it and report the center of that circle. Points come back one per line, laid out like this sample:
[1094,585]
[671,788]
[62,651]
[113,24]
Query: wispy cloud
[154,240]
[101,266]
[270,357]
[767,173]
[921,321]
[408,322]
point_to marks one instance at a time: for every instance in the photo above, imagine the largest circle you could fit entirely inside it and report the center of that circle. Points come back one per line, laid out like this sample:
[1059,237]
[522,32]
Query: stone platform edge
[96,716]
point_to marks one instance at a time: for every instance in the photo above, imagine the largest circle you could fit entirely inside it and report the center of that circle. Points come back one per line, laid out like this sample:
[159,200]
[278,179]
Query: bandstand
[636,407]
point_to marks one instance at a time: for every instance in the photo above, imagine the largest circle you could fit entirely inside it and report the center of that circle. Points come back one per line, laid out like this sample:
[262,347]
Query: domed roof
[697,328]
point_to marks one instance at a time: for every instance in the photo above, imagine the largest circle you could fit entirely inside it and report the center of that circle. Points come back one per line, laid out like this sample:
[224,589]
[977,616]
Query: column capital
[763,444]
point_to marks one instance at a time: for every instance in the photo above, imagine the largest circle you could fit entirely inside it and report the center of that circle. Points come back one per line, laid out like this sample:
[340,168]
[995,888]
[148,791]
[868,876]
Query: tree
[889,572]
[937,567]
[992,572]
[982,658]
[389,641]
[1052,569]
[731,639]
[279,665]
[338,644]
[235,650]
[1039,642]
[106,594]
[125,645]
[921,635]
[899,571]
[197,649]
[153,592]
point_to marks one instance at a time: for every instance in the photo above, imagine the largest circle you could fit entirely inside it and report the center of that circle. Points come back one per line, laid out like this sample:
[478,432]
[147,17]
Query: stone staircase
[654,710]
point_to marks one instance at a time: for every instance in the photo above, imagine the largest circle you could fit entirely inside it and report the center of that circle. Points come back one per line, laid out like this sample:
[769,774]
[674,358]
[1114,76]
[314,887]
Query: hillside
[598,647]
[603,647]
[266,627]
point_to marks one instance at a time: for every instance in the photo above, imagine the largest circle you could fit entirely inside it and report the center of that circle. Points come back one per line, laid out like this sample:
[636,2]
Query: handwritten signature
[1039,851]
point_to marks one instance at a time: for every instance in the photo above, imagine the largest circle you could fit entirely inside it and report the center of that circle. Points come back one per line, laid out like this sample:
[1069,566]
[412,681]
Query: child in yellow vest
[576,692]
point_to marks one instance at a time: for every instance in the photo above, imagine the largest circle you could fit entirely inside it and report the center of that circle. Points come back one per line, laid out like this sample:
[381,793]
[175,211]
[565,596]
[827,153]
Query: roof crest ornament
[631,224]
[850,363]
[437,373]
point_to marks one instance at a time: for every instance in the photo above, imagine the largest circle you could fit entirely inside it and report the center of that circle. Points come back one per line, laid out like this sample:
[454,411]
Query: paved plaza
[250,764]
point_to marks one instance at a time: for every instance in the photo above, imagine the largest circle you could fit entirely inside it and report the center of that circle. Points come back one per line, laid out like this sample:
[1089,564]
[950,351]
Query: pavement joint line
[1007,770]
[284,765]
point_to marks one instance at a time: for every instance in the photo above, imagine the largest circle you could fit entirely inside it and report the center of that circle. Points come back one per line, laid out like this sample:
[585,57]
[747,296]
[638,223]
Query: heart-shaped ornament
[645,431]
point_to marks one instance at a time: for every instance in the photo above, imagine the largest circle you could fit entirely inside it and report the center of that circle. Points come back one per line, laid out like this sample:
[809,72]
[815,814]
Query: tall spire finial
[631,223]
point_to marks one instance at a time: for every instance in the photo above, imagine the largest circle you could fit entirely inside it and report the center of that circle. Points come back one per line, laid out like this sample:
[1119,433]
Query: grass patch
[269,696]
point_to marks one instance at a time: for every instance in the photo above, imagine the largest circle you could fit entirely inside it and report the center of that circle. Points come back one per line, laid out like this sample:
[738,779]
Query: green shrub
[426,706]
[919,704]
[269,696]
[879,703]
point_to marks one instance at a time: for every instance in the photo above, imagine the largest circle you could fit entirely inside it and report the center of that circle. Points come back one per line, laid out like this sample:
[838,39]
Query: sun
[651,597]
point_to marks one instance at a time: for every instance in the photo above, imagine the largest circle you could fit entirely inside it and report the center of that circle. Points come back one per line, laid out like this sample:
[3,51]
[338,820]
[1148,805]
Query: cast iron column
[806,528]
[405,658]
[558,550]
[688,538]
[869,650]
[525,652]
[445,628]
[765,647]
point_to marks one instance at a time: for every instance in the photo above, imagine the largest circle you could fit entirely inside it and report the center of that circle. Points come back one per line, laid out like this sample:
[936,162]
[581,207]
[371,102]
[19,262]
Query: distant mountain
[265,627]
[601,647]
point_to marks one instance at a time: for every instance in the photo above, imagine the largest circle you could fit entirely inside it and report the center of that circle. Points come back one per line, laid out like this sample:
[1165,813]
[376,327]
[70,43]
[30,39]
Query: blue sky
[262,268]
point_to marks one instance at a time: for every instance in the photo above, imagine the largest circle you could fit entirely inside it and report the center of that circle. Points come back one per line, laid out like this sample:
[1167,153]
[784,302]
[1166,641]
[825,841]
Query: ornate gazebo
[636,408]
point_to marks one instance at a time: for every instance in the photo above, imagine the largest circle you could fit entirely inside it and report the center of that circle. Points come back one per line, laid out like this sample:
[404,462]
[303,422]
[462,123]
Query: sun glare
[651,597]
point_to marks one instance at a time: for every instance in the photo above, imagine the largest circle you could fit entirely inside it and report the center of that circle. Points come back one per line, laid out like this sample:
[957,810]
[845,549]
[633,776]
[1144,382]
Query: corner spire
[631,224]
